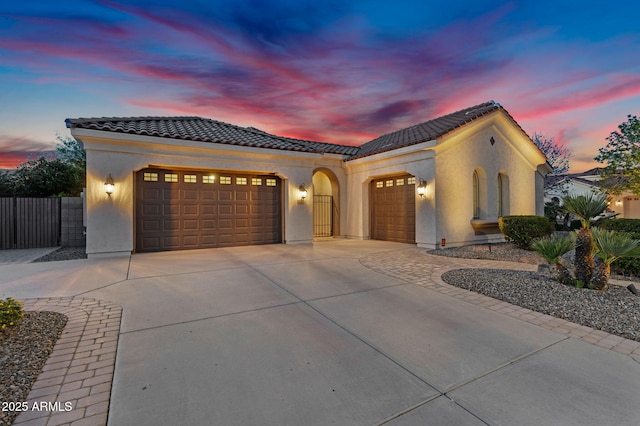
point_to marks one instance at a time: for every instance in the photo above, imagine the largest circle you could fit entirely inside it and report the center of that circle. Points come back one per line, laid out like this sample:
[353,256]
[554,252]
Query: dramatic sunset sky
[340,71]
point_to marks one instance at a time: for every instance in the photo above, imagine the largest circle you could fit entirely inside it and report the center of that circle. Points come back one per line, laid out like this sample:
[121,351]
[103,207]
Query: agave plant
[552,248]
[585,207]
[610,246]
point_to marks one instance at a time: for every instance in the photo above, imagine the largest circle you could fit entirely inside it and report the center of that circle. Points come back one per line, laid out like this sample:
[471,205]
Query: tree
[610,246]
[7,183]
[622,158]
[585,207]
[44,177]
[558,155]
[552,248]
[63,175]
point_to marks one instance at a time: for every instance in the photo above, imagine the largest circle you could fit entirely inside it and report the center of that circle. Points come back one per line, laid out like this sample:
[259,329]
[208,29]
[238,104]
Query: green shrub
[10,312]
[520,230]
[632,226]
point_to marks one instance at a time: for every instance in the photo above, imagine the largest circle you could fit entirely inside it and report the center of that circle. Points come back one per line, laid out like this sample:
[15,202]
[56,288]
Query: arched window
[476,195]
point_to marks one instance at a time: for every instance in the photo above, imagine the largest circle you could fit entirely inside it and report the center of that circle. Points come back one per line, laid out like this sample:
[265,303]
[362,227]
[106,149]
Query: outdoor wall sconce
[618,202]
[109,185]
[422,188]
[302,192]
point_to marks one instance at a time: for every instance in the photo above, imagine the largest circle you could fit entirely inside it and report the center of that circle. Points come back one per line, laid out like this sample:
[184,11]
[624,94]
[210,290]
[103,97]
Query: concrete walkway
[341,332]
[8,257]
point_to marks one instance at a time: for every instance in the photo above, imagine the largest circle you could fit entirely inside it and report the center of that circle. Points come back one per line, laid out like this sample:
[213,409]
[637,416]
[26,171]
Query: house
[625,205]
[190,182]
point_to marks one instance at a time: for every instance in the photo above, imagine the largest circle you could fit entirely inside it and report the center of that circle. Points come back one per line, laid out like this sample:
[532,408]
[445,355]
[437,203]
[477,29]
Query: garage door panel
[171,225]
[189,209]
[208,225]
[151,210]
[225,195]
[190,225]
[207,195]
[190,194]
[151,225]
[170,194]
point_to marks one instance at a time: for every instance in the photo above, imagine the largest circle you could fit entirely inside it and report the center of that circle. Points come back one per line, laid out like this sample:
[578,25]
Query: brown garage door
[393,211]
[186,209]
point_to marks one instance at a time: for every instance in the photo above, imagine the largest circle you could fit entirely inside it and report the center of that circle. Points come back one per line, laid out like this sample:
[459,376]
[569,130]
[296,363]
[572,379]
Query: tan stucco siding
[110,223]
[469,150]
[417,162]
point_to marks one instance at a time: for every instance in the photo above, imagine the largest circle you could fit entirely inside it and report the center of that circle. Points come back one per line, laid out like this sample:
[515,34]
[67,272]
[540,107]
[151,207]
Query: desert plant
[585,207]
[610,246]
[10,312]
[521,230]
[552,248]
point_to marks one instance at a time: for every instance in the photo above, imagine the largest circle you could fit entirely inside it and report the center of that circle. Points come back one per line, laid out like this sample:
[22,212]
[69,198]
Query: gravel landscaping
[64,253]
[615,311]
[24,349]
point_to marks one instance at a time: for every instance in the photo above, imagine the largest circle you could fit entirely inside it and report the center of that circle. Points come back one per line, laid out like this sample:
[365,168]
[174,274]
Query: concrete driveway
[289,335]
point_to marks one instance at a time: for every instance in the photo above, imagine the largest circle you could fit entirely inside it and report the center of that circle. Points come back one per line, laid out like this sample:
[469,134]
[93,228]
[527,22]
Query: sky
[342,71]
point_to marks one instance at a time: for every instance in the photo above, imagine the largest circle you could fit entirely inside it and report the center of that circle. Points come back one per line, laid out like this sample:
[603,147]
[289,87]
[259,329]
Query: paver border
[77,377]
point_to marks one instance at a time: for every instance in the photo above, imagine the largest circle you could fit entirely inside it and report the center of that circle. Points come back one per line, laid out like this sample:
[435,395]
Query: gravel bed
[64,253]
[615,311]
[24,349]
[498,251]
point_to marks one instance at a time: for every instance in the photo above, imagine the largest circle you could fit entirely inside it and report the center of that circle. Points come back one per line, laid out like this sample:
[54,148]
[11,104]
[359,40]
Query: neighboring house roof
[213,131]
[552,180]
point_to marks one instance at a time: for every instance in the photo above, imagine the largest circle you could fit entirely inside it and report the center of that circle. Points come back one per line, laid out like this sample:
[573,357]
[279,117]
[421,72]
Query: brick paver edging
[74,386]
[417,267]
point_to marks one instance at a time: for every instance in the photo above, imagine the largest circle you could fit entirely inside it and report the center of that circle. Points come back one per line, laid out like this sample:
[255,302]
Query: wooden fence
[29,222]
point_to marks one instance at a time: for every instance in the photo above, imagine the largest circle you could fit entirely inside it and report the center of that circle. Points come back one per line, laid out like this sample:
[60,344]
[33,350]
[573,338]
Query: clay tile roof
[423,132]
[213,131]
[205,130]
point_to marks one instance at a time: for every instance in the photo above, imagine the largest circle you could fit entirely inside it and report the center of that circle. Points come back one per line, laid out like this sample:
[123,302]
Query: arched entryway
[326,204]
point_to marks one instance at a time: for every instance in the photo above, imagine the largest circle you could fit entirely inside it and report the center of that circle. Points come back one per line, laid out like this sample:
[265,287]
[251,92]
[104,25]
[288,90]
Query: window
[411,181]
[399,182]
[225,180]
[256,181]
[208,179]
[190,179]
[241,181]
[379,184]
[389,182]
[476,195]
[271,182]
[170,177]
[150,177]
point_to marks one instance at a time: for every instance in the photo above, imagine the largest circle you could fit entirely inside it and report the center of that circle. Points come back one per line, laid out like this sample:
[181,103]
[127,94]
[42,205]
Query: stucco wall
[469,150]
[416,161]
[110,223]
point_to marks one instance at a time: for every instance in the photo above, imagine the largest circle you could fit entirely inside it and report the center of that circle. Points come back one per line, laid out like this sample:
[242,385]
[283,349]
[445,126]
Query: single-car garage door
[393,210]
[187,209]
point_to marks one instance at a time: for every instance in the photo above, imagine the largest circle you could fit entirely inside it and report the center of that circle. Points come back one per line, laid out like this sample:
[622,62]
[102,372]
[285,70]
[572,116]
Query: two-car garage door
[187,209]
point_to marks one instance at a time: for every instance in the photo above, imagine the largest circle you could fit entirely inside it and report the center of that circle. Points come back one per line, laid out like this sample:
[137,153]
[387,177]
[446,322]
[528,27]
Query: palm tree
[585,207]
[552,248]
[610,246]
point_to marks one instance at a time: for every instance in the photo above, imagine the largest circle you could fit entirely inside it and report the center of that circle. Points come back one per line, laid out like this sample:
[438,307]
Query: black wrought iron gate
[322,216]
